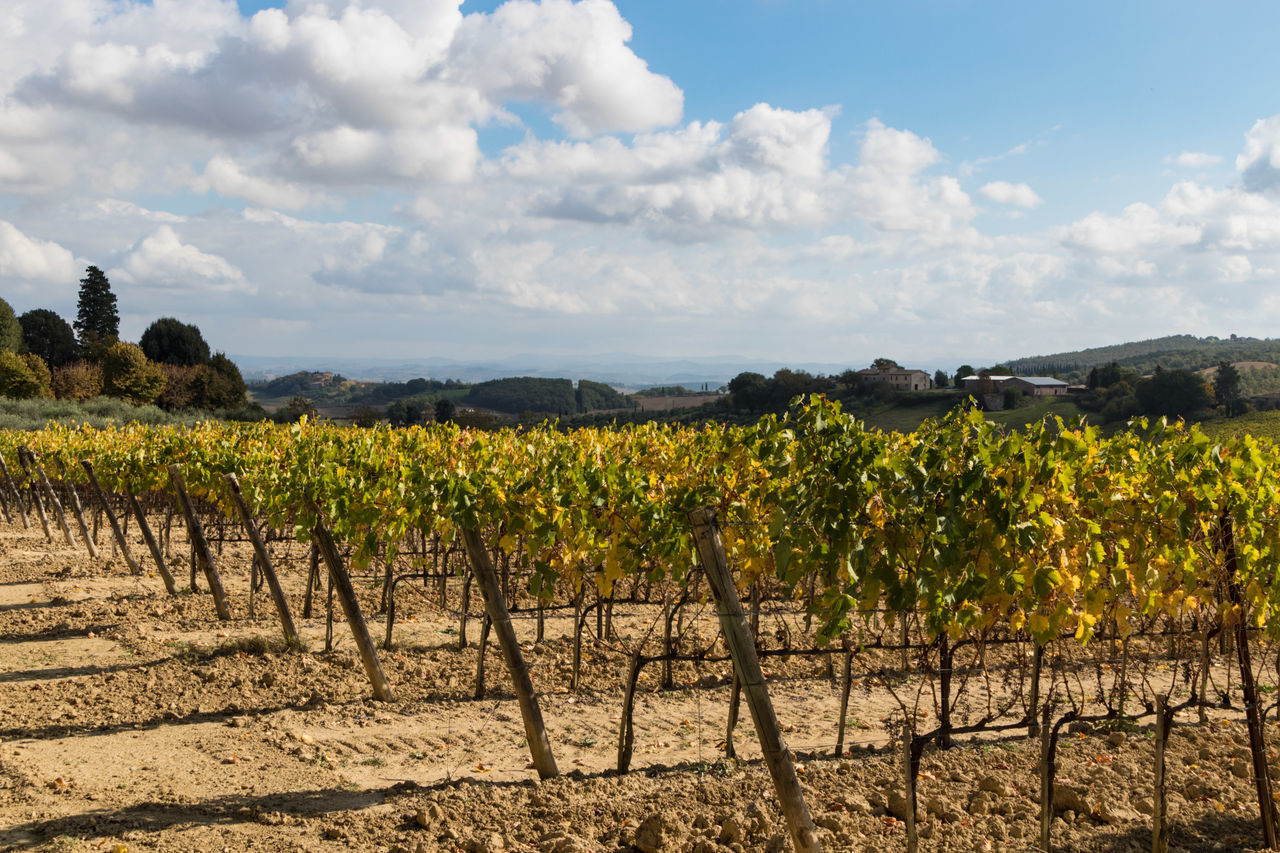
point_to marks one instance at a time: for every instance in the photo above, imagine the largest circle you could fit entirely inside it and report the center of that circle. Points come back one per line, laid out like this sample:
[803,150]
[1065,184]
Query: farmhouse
[997,382]
[898,378]
[1039,386]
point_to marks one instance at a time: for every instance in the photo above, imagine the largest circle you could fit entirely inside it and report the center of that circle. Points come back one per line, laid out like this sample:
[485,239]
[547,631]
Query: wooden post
[946,661]
[910,769]
[1201,713]
[199,544]
[169,583]
[735,707]
[91,545]
[4,503]
[1047,744]
[35,497]
[313,575]
[626,726]
[1159,803]
[496,605]
[264,564]
[1033,706]
[485,626]
[1252,705]
[464,610]
[111,517]
[904,638]
[844,697]
[15,491]
[742,648]
[52,496]
[350,607]
[579,622]
[328,615]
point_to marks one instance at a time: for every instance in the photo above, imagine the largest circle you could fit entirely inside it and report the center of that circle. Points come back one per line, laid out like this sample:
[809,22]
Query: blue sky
[938,181]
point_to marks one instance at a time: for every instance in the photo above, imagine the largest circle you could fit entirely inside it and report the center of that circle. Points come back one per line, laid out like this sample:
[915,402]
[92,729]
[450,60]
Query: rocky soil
[131,720]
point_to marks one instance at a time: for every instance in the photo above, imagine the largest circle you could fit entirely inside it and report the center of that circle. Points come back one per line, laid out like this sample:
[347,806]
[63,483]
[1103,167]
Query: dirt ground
[131,720]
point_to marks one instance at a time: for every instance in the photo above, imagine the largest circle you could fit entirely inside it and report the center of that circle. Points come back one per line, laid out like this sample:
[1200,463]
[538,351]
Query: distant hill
[1173,351]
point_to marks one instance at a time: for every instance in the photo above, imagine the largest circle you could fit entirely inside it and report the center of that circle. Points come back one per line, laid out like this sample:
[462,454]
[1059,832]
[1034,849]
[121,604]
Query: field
[137,720]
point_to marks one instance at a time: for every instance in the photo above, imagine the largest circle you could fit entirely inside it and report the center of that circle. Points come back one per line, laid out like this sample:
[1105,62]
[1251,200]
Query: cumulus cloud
[225,177]
[27,257]
[572,55]
[1018,195]
[162,259]
[1259,163]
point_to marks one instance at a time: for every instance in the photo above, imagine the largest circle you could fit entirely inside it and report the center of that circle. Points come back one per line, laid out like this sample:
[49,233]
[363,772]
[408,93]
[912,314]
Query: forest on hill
[1185,352]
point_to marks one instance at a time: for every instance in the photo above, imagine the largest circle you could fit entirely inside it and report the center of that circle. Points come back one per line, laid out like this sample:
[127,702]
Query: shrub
[128,375]
[79,380]
[23,376]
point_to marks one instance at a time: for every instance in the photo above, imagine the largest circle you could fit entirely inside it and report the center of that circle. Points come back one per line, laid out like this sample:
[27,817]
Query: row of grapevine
[983,535]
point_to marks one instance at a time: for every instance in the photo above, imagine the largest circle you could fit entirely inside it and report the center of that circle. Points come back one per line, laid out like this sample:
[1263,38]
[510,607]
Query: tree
[10,330]
[1226,387]
[366,416]
[1172,393]
[445,410]
[961,372]
[23,376]
[883,363]
[49,336]
[171,341]
[127,374]
[749,391]
[225,388]
[940,379]
[296,408]
[403,413]
[97,321]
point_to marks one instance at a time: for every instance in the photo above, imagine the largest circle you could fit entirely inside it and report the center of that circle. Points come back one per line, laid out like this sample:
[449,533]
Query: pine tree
[97,321]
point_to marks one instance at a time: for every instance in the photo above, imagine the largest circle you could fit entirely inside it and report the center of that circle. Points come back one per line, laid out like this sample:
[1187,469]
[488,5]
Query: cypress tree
[97,321]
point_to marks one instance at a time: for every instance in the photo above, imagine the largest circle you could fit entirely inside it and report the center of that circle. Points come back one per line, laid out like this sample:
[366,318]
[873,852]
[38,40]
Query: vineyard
[439,639]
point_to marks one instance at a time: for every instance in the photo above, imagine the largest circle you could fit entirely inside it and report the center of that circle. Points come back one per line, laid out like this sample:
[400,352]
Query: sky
[787,180]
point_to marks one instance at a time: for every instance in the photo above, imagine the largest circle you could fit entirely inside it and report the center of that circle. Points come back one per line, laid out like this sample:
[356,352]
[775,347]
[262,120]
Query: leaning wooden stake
[1159,824]
[1252,703]
[111,517]
[350,607]
[264,563]
[52,496]
[15,492]
[746,662]
[199,544]
[495,603]
[170,585]
[35,496]
[79,511]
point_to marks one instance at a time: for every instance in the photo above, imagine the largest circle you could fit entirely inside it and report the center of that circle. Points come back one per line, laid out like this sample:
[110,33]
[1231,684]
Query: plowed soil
[132,720]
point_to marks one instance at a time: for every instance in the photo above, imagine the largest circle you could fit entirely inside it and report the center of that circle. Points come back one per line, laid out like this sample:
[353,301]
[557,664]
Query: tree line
[42,355]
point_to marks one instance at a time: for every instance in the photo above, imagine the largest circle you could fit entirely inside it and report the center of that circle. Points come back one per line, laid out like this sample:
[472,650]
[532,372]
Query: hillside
[1173,351]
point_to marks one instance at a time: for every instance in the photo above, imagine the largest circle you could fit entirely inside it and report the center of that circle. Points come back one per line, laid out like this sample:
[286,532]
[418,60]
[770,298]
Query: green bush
[127,374]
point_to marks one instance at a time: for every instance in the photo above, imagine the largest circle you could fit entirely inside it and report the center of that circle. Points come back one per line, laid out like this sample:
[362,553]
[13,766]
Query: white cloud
[572,55]
[1140,227]
[1018,195]
[163,260]
[27,257]
[1194,160]
[223,176]
[1259,163]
